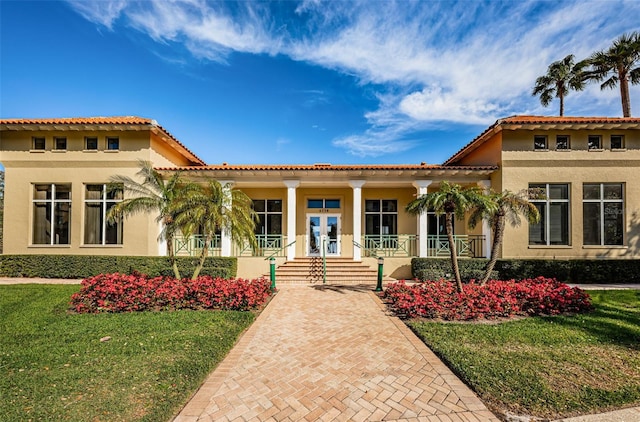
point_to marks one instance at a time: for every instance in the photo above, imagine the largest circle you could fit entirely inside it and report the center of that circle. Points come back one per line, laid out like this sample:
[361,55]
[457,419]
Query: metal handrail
[279,250]
[324,260]
[371,252]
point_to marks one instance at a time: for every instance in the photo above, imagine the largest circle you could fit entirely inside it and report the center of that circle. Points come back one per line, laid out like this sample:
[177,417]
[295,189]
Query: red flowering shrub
[496,299]
[138,292]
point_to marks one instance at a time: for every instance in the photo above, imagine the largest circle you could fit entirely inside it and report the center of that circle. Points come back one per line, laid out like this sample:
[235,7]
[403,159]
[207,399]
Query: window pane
[562,142]
[613,191]
[558,192]
[591,191]
[537,232]
[389,205]
[63,191]
[314,203]
[274,223]
[260,225]
[113,235]
[613,223]
[113,143]
[42,192]
[259,205]
[372,224]
[274,205]
[540,142]
[389,224]
[559,223]
[372,206]
[114,192]
[92,223]
[332,203]
[61,223]
[60,143]
[594,142]
[38,143]
[591,223]
[91,143]
[617,142]
[93,192]
[41,223]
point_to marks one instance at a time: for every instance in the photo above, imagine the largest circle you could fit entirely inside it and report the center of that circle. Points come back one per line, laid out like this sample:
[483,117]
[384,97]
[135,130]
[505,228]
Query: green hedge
[574,271]
[83,266]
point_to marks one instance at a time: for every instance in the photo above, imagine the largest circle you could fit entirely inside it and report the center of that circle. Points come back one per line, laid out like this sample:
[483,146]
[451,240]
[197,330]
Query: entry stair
[340,271]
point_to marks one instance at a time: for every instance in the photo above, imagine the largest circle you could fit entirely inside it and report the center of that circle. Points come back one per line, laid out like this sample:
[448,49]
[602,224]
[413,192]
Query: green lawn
[549,366]
[53,365]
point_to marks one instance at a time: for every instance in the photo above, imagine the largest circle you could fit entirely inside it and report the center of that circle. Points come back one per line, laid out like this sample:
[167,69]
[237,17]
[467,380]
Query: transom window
[113,143]
[562,142]
[381,217]
[60,143]
[617,142]
[51,214]
[594,142]
[269,216]
[603,213]
[98,200]
[323,203]
[39,143]
[540,142]
[553,228]
[90,143]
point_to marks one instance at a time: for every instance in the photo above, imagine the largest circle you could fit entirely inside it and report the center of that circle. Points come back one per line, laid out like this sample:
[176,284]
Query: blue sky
[342,82]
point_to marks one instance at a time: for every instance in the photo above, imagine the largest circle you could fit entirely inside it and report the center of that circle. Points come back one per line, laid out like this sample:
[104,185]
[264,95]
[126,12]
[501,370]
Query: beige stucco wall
[75,166]
[522,165]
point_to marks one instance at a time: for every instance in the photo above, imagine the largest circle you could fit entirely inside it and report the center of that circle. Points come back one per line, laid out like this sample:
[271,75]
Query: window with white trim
[594,142]
[553,228]
[60,143]
[540,142]
[269,213]
[381,217]
[603,214]
[617,142]
[113,143]
[39,143]
[563,142]
[98,200]
[91,143]
[51,214]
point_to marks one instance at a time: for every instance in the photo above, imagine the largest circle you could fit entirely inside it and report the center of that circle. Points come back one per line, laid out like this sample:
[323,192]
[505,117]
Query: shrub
[83,266]
[138,292]
[496,299]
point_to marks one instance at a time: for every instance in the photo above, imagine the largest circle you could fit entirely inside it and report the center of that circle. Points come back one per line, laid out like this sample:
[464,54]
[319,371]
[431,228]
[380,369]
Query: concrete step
[338,271]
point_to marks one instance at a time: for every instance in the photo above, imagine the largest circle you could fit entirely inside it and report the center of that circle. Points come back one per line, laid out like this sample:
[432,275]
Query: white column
[291,217]
[162,242]
[423,244]
[486,228]
[357,217]
[225,235]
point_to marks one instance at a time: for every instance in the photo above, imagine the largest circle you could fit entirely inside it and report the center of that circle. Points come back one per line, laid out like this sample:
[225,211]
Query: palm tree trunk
[624,95]
[172,258]
[561,105]
[203,257]
[497,241]
[453,251]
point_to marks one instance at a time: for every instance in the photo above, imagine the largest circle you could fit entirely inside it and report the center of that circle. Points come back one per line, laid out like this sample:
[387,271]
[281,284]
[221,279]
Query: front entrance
[323,230]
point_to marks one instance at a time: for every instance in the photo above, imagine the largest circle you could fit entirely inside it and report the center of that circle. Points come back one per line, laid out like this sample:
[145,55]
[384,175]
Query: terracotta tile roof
[536,120]
[324,167]
[108,120]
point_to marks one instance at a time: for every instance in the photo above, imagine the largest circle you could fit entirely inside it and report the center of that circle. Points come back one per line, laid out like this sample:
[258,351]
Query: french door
[323,231]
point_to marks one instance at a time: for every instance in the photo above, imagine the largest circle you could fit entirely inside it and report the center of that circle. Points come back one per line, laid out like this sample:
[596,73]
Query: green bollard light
[272,263]
[380,265]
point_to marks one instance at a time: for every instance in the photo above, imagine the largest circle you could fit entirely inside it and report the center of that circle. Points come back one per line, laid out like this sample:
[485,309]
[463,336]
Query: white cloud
[462,62]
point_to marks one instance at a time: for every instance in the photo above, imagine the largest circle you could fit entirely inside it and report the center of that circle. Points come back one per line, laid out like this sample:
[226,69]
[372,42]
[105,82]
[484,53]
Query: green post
[272,264]
[380,266]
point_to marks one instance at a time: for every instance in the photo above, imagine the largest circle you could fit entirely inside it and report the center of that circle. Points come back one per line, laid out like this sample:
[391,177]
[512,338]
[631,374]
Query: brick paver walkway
[332,354]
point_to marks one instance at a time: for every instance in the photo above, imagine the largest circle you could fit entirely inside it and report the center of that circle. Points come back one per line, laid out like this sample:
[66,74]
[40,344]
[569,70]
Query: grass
[53,365]
[549,367]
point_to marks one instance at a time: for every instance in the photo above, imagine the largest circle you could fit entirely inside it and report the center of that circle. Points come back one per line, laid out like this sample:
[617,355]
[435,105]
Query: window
[594,142]
[617,142]
[90,143]
[603,213]
[113,143]
[39,143]
[553,228]
[381,219]
[60,143]
[562,142]
[540,142]
[269,216]
[323,203]
[98,200]
[51,214]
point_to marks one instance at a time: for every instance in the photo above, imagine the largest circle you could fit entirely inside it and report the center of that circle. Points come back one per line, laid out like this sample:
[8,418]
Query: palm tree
[451,200]
[152,194]
[620,64]
[212,207]
[504,206]
[562,76]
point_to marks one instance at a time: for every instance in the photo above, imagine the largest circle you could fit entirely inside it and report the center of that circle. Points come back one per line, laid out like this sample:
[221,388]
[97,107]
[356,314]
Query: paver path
[331,354]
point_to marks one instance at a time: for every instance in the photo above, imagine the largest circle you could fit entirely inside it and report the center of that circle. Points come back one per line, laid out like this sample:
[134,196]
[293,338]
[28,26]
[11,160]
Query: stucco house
[589,167]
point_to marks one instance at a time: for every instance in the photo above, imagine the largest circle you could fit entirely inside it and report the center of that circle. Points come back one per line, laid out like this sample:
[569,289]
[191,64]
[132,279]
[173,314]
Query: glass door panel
[323,230]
